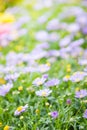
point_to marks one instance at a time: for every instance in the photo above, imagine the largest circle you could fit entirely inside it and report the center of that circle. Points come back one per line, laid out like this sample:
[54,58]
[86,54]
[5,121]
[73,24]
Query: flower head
[78,76]
[44,92]
[52,82]
[6,127]
[80,94]
[6,18]
[54,114]
[68,101]
[39,81]
[4,89]
[85,114]
[20,109]
[66,78]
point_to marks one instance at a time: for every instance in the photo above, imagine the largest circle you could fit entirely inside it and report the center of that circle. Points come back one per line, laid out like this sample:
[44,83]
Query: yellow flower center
[44,94]
[19,108]
[2,81]
[39,83]
[67,76]
[81,95]
[20,88]
[37,111]
[48,64]
[77,79]
[77,89]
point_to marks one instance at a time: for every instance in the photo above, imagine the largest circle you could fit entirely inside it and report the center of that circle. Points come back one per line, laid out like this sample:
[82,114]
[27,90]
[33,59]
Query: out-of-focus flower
[53,24]
[54,114]
[78,76]
[2,81]
[44,92]
[0,124]
[82,61]
[6,18]
[37,111]
[6,127]
[20,88]
[45,76]
[85,114]
[42,36]
[20,109]
[44,68]
[66,78]
[21,117]
[4,89]
[52,82]
[81,94]
[39,81]
[68,68]
[84,30]
[68,101]
[12,76]
[47,104]
[65,41]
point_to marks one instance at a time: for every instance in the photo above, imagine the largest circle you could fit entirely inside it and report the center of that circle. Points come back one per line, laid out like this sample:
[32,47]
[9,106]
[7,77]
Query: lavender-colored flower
[76,43]
[42,19]
[53,24]
[80,94]
[54,114]
[39,81]
[4,89]
[65,41]
[85,114]
[78,76]
[82,61]
[45,76]
[84,30]
[73,28]
[44,68]
[54,53]
[68,101]
[43,92]
[52,82]
[38,54]
[66,78]
[42,36]
[12,76]
[20,110]
[53,37]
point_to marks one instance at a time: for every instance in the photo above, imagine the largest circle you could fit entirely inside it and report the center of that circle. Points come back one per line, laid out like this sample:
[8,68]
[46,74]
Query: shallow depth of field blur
[43,64]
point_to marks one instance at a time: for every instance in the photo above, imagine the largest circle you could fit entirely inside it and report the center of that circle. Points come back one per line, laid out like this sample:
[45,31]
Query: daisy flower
[44,92]
[20,110]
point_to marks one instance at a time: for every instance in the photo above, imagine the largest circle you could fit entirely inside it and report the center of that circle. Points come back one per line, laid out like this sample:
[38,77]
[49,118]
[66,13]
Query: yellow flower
[77,89]
[37,111]
[6,18]
[47,104]
[68,68]
[0,48]
[49,113]
[6,127]
[2,81]
[67,76]
[20,88]
[0,124]
[21,117]
[18,48]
